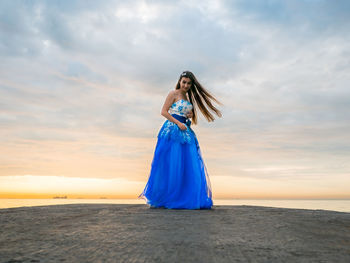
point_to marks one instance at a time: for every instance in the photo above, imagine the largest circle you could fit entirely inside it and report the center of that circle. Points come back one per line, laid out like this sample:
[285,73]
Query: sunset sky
[82,84]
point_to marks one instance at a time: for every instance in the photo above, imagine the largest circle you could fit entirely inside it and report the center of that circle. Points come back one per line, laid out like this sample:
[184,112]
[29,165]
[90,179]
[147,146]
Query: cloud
[76,69]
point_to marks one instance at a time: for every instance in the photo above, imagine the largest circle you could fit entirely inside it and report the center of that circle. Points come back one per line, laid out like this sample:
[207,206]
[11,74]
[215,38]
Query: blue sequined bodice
[181,107]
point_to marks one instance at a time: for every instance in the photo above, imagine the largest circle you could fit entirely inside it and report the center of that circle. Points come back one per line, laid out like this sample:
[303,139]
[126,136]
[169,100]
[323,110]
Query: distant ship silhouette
[60,197]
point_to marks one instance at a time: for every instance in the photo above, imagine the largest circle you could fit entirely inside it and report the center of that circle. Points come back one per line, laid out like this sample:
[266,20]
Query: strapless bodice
[181,107]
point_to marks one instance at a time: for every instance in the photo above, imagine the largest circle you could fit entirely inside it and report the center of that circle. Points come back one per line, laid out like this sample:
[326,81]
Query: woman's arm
[168,102]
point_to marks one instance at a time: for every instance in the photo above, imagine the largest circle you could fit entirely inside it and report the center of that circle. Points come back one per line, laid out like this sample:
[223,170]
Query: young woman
[178,178]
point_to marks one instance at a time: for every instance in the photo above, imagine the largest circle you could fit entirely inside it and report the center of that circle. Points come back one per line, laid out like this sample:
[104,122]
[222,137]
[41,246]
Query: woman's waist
[179,117]
[182,119]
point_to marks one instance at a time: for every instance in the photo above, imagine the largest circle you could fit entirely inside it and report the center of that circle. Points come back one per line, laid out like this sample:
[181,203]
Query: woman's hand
[190,114]
[182,126]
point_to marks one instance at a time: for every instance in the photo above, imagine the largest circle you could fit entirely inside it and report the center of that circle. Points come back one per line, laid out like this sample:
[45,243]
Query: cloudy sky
[82,84]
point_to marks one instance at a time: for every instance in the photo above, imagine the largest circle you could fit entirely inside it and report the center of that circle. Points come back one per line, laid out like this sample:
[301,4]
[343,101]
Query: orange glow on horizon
[70,196]
[75,196]
[223,187]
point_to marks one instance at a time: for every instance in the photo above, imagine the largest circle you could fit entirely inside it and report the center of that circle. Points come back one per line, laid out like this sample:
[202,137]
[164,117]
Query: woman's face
[185,84]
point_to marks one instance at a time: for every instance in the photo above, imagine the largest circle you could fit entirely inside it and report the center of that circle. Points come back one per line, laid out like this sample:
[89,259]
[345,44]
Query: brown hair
[196,95]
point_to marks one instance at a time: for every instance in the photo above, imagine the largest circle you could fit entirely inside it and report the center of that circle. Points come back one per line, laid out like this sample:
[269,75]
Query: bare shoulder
[171,95]
[168,101]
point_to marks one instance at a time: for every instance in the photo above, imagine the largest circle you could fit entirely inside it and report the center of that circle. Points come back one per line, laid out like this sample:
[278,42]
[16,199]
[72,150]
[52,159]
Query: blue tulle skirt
[178,178]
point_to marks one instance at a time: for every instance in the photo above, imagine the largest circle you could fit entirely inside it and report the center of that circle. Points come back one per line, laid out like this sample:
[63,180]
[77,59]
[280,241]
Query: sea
[340,205]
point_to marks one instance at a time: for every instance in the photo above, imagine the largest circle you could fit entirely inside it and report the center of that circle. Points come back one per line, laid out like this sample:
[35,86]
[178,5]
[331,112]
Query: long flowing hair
[197,94]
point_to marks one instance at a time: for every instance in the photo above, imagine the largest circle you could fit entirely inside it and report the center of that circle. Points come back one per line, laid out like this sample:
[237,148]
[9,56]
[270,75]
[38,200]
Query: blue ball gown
[178,178]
